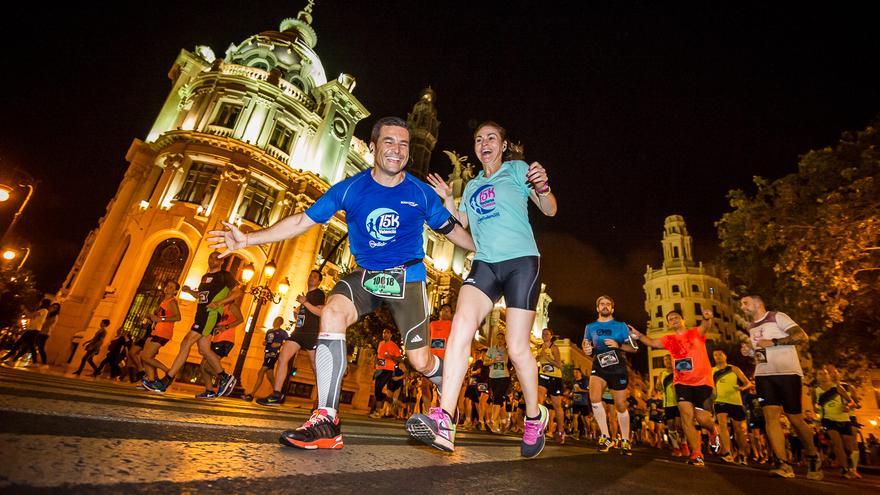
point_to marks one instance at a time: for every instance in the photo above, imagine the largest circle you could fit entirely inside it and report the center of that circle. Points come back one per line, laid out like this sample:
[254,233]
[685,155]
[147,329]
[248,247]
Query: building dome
[290,51]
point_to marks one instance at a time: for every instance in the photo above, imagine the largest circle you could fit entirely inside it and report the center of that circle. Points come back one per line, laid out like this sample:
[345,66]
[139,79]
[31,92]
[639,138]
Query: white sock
[599,416]
[623,421]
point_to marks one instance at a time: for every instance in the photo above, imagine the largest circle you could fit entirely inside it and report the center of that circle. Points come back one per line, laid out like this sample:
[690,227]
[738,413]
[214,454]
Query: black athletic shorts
[670,413]
[582,409]
[471,393]
[616,380]
[222,349]
[159,340]
[269,361]
[394,385]
[205,321]
[733,411]
[410,313]
[515,279]
[842,427]
[499,387]
[780,390]
[698,395]
[307,341]
[553,384]
[141,342]
[382,378]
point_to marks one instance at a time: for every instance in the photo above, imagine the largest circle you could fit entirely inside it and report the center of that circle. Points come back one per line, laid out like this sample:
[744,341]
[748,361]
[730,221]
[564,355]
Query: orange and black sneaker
[319,432]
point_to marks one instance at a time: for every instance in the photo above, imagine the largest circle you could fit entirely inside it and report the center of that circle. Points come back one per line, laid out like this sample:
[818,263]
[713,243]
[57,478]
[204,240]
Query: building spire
[305,14]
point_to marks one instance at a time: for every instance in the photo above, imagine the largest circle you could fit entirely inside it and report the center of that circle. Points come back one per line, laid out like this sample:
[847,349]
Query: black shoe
[272,400]
[319,432]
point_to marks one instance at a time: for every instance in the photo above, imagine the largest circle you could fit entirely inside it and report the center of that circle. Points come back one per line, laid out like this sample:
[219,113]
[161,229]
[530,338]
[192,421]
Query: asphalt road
[60,434]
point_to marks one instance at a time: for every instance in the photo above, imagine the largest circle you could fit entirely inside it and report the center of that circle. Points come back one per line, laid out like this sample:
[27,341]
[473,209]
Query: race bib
[547,368]
[380,362]
[472,381]
[577,397]
[607,359]
[389,283]
[761,355]
[684,365]
[498,366]
[438,344]
[483,387]
[300,320]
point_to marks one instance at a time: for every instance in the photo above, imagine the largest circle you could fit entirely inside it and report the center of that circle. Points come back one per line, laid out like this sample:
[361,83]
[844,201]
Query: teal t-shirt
[498,370]
[498,214]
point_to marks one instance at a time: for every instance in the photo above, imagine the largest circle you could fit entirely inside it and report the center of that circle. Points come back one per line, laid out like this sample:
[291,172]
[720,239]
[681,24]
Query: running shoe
[207,394]
[157,386]
[559,437]
[625,448]
[533,434]
[697,461]
[376,415]
[743,461]
[226,385]
[783,470]
[247,398]
[685,450]
[714,441]
[435,429]
[728,458]
[814,469]
[319,432]
[676,452]
[605,444]
[275,399]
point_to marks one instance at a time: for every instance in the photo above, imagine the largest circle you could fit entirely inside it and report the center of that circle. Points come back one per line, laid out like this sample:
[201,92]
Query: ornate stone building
[424,128]
[686,286]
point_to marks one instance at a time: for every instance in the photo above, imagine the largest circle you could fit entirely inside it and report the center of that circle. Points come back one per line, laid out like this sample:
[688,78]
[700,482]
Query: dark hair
[386,121]
[674,312]
[752,295]
[54,313]
[105,322]
[502,131]
[604,297]
[445,305]
[320,275]
[176,285]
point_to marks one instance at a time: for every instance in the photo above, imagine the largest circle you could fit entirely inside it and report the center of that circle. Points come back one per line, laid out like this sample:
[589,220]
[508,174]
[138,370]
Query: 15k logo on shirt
[483,199]
[382,225]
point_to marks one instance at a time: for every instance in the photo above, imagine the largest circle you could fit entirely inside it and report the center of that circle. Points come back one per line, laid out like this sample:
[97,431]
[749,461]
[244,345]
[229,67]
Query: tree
[16,289]
[809,242]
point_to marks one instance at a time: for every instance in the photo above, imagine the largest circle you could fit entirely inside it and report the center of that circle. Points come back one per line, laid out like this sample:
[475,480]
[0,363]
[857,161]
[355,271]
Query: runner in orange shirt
[387,357]
[439,335]
[692,376]
[221,344]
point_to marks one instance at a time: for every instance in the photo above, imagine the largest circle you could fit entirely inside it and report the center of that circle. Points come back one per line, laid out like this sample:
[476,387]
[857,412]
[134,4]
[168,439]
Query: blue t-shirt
[598,331]
[274,337]
[581,398]
[385,224]
[498,213]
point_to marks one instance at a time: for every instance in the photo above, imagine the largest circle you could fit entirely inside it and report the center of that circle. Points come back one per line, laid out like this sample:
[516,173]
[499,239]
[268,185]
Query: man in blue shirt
[385,209]
[604,339]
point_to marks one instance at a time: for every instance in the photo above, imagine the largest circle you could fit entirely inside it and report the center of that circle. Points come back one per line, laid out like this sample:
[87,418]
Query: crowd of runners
[438,381]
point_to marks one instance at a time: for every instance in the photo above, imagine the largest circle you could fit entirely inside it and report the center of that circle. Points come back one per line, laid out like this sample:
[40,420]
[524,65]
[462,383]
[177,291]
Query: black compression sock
[534,419]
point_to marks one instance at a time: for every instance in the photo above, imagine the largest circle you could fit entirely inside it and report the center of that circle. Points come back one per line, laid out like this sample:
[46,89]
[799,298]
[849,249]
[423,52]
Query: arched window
[166,264]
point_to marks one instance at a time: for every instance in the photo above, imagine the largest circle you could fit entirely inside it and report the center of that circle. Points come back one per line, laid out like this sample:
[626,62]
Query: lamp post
[25,180]
[11,254]
[262,294]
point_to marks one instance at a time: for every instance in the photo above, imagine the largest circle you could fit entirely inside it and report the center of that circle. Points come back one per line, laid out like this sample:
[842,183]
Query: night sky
[637,111]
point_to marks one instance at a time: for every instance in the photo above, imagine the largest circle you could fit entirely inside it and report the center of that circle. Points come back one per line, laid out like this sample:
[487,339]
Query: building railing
[286,87]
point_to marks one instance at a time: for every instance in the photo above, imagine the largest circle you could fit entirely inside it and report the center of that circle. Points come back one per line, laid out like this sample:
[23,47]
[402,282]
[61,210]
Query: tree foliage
[17,289]
[809,242]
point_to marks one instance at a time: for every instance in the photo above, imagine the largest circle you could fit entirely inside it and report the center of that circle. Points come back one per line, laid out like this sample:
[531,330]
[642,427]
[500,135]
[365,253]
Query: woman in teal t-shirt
[495,206]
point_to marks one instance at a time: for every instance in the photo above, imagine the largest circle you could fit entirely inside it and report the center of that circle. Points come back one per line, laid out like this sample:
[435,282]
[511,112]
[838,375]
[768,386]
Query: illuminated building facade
[686,286]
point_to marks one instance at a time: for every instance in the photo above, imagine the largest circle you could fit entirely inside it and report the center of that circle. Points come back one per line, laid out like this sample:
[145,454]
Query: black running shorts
[307,341]
[515,279]
[698,395]
[780,390]
[670,413]
[615,381]
[410,313]
[499,388]
[734,411]
[159,340]
[269,362]
[222,349]
[842,427]
[553,384]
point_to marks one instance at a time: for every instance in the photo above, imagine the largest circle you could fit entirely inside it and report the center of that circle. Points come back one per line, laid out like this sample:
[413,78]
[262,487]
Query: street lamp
[263,294]
[4,192]
[10,254]
[25,180]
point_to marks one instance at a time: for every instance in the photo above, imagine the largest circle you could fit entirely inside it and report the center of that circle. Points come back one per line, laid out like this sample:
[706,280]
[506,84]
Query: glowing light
[144,204]
[269,269]
[9,255]
[873,422]
[4,192]
[247,273]
[284,286]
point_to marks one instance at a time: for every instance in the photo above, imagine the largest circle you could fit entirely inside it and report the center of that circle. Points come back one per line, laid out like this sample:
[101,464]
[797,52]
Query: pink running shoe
[533,434]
